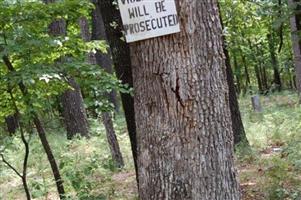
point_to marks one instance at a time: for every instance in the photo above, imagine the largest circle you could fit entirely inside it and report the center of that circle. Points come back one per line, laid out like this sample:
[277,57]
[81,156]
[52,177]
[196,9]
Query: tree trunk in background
[238,130]
[277,79]
[246,72]
[263,78]
[12,123]
[296,41]
[262,69]
[257,72]
[184,134]
[112,139]
[238,87]
[121,58]
[237,125]
[105,62]
[292,81]
[258,78]
[74,112]
[243,57]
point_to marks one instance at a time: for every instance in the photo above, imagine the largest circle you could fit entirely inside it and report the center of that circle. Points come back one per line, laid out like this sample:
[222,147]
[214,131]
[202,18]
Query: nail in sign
[143,19]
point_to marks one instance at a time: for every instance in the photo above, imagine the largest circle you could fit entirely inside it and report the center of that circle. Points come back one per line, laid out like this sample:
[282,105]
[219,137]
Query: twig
[10,166]
[26,145]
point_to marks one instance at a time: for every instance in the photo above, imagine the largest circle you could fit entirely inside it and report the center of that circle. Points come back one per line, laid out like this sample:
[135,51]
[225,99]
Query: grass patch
[273,172]
[85,165]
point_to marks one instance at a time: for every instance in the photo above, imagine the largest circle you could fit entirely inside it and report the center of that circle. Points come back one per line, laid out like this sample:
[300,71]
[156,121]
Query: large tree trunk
[104,61]
[74,112]
[122,63]
[296,28]
[184,134]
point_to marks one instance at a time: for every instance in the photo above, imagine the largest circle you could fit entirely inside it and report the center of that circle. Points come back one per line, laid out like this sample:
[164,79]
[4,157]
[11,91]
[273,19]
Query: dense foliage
[259,41]
[43,62]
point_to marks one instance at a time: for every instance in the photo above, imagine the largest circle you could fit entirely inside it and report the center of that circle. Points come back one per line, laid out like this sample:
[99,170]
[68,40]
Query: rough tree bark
[74,112]
[122,63]
[184,134]
[296,40]
[104,61]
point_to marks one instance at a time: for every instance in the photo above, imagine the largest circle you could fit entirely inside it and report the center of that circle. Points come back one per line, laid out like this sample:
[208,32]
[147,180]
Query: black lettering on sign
[137,12]
[160,7]
[130,1]
[142,26]
[153,24]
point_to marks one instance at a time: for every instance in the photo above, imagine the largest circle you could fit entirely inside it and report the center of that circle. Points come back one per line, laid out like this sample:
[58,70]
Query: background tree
[122,63]
[73,109]
[238,130]
[295,22]
[104,61]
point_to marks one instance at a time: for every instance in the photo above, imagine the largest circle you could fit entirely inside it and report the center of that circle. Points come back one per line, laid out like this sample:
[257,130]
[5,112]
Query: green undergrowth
[272,167]
[269,170]
[86,166]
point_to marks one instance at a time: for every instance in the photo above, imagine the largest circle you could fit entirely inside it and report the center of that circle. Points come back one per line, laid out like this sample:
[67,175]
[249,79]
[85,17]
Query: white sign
[144,19]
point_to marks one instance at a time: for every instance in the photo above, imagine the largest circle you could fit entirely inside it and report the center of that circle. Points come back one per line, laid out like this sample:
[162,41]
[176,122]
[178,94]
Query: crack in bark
[177,92]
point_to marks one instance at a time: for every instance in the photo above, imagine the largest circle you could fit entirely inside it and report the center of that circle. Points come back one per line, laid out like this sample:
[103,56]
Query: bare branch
[10,166]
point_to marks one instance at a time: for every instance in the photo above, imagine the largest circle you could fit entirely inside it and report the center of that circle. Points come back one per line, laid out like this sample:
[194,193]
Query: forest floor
[269,170]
